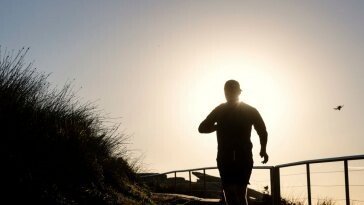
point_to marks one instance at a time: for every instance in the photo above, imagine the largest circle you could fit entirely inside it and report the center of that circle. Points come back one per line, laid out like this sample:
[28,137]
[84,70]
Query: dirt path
[169,199]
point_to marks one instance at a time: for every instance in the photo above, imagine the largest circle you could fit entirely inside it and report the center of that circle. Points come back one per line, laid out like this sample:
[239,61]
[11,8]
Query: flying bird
[339,107]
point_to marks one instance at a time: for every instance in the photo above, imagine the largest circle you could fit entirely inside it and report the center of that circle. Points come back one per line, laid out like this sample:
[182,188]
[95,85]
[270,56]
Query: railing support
[308,184]
[175,181]
[275,185]
[204,182]
[189,177]
[347,191]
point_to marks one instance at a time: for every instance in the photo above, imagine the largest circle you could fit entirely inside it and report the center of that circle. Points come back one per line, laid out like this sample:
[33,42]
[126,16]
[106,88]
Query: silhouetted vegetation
[298,201]
[56,150]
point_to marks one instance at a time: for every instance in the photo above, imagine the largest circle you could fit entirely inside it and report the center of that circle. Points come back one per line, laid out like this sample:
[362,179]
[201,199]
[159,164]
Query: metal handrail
[204,175]
[198,169]
[345,159]
[275,175]
[324,160]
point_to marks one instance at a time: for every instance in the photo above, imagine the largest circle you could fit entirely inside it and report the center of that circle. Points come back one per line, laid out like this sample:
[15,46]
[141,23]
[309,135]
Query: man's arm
[260,128]
[209,124]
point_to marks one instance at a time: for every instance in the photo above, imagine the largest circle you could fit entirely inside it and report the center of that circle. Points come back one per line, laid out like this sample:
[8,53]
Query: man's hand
[264,155]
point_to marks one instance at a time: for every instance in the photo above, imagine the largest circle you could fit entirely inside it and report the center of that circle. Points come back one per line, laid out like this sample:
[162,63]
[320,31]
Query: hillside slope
[56,150]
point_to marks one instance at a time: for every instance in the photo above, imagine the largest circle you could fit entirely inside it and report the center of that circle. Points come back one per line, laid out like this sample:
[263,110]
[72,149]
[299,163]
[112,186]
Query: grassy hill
[54,149]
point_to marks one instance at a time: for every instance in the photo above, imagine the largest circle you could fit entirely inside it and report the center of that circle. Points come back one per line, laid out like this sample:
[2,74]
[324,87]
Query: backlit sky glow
[161,66]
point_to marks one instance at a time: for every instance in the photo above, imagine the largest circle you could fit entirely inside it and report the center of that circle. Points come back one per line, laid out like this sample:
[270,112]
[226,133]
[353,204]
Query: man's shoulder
[221,106]
[242,105]
[247,106]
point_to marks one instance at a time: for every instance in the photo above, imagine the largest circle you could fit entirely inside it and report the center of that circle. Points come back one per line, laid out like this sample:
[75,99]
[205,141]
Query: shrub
[55,149]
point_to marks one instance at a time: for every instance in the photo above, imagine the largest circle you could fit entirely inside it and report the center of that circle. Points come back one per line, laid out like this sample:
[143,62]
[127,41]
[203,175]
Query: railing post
[175,181]
[189,176]
[347,191]
[275,185]
[204,182]
[308,184]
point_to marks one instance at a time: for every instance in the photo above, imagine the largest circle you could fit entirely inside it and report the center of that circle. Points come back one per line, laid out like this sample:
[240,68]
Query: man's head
[232,91]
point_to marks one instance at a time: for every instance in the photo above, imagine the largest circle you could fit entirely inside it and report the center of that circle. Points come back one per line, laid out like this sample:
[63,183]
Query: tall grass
[300,201]
[55,149]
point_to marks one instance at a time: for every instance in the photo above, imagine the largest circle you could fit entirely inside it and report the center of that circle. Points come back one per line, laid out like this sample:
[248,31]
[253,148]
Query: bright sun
[260,88]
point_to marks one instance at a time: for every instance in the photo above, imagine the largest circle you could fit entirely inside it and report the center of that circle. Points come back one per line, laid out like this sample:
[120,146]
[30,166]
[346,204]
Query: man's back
[234,124]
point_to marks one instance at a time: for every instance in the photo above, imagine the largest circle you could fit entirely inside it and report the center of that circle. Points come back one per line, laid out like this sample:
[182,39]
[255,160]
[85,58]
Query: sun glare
[260,88]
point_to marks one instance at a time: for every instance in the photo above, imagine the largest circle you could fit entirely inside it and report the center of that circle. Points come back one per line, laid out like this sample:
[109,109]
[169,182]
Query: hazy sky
[161,65]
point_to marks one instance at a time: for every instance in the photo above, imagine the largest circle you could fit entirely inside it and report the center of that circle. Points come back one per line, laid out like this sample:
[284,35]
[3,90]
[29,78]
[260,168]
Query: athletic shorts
[235,172]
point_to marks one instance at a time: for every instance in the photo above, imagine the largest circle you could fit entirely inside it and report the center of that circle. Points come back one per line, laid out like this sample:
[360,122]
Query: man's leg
[229,194]
[235,194]
[242,194]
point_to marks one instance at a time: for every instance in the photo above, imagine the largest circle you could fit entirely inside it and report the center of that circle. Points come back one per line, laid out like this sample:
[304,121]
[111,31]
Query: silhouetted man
[233,122]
